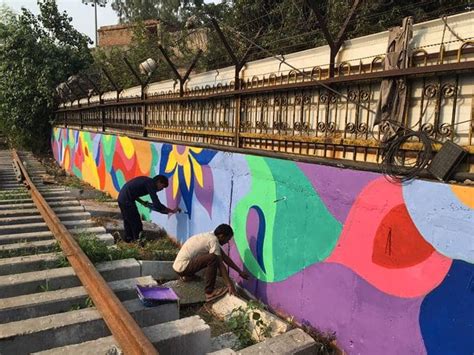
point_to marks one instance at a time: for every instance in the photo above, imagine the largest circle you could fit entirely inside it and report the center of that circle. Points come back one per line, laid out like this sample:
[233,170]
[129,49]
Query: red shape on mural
[397,243]
[101,169]
[129,167]
[78,156]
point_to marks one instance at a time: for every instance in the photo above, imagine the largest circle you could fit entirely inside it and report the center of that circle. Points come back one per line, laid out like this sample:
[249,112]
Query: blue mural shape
[447,313]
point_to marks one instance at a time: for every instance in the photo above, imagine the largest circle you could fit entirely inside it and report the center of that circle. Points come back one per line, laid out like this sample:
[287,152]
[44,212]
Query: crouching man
[203,251]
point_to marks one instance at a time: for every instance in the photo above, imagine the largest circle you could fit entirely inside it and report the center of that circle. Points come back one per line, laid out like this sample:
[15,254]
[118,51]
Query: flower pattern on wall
[188,172]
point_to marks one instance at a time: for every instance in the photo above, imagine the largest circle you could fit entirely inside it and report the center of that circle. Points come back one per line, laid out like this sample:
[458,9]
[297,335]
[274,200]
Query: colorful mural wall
[389,268]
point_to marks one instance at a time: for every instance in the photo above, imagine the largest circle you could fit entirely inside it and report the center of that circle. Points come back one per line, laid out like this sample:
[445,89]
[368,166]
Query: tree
[139,10]
[37,53]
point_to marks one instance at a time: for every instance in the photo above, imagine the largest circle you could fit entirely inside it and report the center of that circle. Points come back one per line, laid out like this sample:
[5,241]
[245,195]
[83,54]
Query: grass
[13,194]
[97,251]
[217,326]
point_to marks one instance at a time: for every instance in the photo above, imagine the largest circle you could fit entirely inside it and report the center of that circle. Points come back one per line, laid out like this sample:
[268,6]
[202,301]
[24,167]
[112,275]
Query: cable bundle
[393,156]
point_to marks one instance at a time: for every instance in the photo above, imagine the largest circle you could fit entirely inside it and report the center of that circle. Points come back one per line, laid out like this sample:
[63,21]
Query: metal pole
[95,9]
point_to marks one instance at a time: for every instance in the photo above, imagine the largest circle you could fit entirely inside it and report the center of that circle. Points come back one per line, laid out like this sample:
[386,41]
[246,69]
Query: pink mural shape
[359,247]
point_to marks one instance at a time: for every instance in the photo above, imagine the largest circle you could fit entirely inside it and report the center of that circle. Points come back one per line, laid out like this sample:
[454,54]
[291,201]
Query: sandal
[217,293]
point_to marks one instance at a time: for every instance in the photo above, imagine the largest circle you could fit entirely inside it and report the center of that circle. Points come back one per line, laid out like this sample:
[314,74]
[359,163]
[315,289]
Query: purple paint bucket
[152,296]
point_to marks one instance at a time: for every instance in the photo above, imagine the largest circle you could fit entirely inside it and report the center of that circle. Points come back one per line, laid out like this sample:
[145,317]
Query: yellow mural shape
[464,194]
[127,146]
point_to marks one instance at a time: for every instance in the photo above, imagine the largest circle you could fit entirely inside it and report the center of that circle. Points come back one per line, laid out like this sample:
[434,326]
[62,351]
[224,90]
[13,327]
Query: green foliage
[285,26]
[241,319]
[36,54]
[45,287]
[14,194]
[169,11]
[97,251]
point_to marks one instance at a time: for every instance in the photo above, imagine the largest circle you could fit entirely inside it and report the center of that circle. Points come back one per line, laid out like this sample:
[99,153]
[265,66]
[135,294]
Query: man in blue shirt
[131,192]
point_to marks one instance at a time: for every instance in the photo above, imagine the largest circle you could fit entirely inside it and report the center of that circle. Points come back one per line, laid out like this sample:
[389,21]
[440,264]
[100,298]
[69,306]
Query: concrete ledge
[59,202]
[38,218]
[73,327]
[187,336]
[295,342]
[42,235]
[35,212]
[54,279]
[160,270]
[41,226]
[30,247]
[223,307]
[28,263]
[226,351]
[44,303]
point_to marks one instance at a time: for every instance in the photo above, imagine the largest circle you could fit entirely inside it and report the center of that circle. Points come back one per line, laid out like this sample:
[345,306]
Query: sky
[82,15]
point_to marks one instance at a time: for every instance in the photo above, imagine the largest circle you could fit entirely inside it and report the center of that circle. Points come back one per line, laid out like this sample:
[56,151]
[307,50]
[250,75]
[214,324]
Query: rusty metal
[123,327]
[283,108]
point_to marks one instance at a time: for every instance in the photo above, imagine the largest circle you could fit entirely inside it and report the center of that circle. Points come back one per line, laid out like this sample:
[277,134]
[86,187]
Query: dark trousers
[132,221]
[208,261]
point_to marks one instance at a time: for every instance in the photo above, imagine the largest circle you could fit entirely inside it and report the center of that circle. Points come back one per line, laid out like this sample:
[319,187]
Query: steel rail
[123,327]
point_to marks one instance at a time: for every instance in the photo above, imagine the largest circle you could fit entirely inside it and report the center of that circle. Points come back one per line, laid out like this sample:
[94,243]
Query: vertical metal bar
[455,99]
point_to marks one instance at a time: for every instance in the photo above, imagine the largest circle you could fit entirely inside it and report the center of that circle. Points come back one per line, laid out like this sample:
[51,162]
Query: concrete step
[160,270]
[295,341]
[27,248]
[29,263]
[41,226]
[37,334]
[60,278]
[107,238]
[31,236]
[61,202]
[38,218]
[35,212]
[45,303]
[223,307]
[40,246]
[29,200]
[187,336]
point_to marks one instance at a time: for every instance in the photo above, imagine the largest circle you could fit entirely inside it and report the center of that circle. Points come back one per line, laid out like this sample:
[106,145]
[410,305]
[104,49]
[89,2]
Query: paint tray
[152,296]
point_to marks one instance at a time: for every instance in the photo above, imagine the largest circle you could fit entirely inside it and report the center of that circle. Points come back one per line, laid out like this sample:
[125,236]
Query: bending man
[204,251]
[131,192]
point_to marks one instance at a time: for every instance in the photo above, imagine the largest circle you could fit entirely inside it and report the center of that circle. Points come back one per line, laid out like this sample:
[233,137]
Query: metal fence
[300,113]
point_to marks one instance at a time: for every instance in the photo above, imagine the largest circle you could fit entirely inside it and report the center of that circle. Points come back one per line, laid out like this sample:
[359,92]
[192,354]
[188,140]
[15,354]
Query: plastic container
[152,296]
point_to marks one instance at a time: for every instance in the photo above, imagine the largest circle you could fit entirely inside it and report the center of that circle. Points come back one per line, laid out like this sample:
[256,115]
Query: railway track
[47,307]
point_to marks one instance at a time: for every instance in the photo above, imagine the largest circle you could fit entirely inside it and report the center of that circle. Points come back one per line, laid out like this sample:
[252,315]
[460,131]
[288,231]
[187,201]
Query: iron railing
[308,113]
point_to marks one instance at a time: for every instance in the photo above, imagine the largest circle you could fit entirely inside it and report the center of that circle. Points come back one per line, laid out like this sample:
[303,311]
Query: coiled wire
[393,163]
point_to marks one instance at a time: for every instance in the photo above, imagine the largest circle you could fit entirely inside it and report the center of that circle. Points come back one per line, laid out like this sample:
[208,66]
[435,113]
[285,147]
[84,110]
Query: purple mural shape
[332,297]
[205,194]
[338,188]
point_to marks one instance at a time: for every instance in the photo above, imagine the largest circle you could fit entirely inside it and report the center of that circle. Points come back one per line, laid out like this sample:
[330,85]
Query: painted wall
[389,268]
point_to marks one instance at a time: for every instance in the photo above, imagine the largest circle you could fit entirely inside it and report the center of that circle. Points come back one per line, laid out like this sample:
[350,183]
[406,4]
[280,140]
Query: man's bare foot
[218,292]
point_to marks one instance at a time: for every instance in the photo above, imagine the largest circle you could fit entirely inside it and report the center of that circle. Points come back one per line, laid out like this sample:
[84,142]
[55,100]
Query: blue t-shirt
[138,187]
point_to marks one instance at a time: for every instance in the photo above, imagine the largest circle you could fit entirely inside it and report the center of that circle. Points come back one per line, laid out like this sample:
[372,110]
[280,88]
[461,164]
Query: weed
[103,197]
[45,287]
[325,342]
[75,307]
[13,194]
[88,303]
[240,322]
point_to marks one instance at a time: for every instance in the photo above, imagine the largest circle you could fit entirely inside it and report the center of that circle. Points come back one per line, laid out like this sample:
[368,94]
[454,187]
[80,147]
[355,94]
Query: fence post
[238,64]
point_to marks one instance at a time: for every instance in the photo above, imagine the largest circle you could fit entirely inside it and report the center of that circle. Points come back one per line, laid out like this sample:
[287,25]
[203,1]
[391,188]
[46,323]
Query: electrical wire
[394,157]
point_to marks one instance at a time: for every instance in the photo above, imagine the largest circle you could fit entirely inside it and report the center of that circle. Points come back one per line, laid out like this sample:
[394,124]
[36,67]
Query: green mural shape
[299,229]
[108,149]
